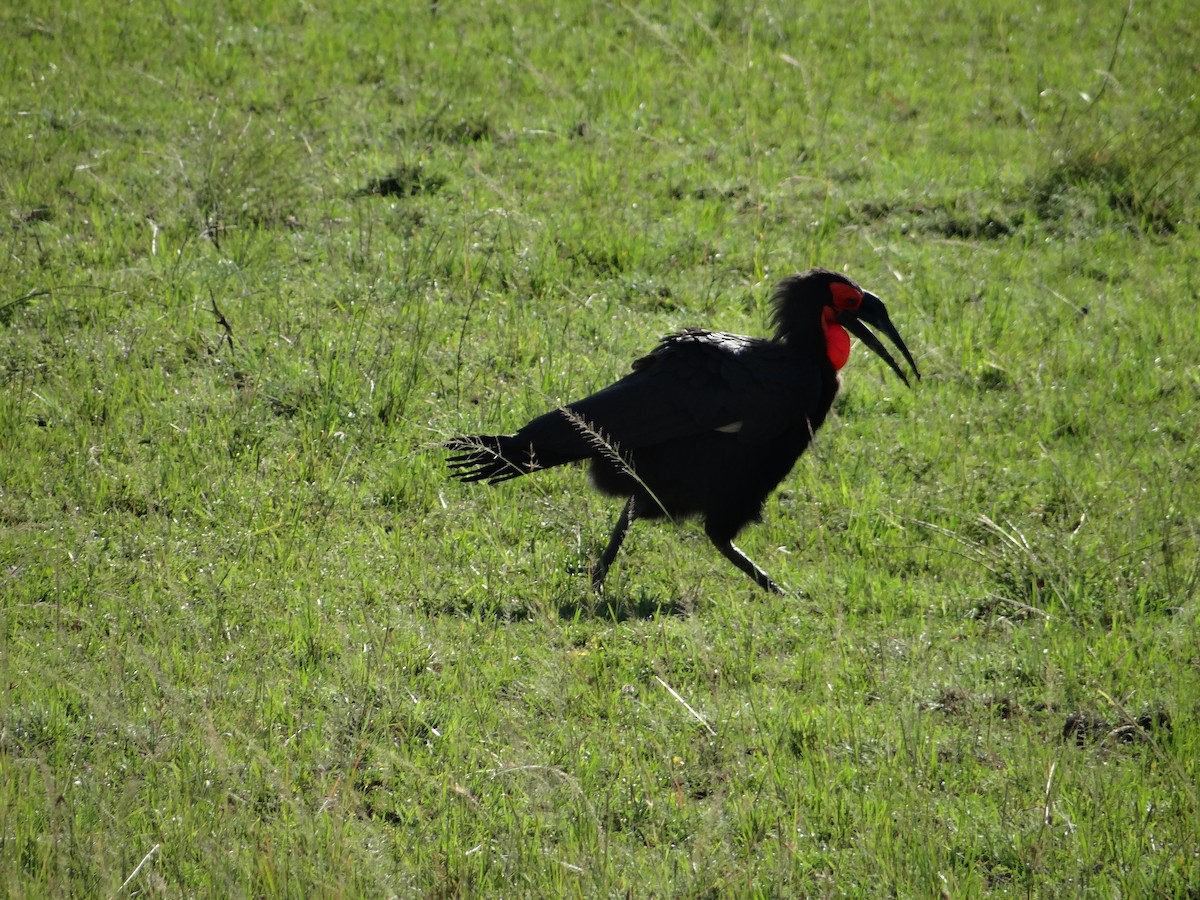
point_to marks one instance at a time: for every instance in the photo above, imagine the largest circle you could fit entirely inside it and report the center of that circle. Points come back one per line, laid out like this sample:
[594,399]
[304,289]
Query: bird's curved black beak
[874,313]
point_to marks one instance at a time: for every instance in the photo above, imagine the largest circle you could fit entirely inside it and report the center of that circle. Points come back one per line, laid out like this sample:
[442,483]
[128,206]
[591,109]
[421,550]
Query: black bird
[708,423]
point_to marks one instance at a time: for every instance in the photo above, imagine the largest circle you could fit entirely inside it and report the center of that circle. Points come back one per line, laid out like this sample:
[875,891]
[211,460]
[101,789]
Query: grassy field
[261,259]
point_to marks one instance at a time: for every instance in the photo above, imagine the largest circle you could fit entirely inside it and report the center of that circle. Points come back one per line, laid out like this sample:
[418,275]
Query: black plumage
[706,424]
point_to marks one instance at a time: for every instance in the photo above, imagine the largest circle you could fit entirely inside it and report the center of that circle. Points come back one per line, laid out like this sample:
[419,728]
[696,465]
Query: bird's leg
[600,569]
[730,551]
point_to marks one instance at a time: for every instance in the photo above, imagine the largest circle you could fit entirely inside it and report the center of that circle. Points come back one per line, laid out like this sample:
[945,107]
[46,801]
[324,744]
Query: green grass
[260,261]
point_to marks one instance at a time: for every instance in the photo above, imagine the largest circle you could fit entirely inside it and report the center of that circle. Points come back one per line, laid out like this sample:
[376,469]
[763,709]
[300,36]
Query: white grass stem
[132,875]
[699,718]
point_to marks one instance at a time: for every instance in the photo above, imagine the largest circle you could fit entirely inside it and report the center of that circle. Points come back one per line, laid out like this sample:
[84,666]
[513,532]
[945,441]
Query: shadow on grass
[569,605]
[623,608]
[403,181]
[487,607]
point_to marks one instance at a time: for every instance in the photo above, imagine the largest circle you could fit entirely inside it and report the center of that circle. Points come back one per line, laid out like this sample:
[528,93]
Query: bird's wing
[696,382]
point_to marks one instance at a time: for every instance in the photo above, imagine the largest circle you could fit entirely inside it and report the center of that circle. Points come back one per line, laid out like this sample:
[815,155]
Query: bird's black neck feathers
[798,302]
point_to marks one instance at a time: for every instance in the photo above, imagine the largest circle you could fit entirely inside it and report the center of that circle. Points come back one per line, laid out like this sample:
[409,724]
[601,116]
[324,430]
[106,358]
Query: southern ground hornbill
[708,423]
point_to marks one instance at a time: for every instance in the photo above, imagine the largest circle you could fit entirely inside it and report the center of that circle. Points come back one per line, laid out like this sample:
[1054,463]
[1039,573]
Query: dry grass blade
[695,715]
[610,451]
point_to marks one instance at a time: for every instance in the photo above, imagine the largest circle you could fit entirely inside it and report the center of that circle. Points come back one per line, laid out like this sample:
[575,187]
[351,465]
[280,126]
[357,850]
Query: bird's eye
[845,296]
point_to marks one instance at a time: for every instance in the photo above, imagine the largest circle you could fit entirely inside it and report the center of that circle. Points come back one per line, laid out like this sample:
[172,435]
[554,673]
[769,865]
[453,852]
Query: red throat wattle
[837,341]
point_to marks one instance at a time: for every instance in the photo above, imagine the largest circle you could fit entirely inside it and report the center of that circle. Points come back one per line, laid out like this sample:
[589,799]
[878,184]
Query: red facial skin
[837,341]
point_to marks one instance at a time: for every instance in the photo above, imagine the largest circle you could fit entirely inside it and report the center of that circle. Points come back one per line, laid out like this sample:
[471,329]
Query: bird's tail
[489,457]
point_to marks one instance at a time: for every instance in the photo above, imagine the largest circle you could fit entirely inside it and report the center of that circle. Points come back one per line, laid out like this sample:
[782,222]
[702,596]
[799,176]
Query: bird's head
[820,298]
